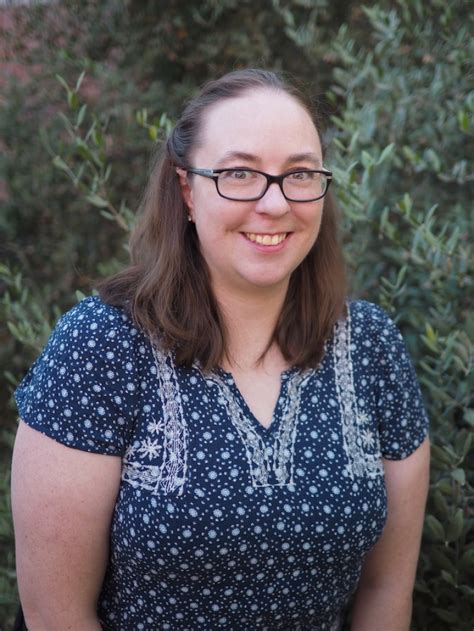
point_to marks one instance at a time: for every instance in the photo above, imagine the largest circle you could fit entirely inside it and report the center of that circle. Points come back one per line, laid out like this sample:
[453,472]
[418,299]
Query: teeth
[266,239]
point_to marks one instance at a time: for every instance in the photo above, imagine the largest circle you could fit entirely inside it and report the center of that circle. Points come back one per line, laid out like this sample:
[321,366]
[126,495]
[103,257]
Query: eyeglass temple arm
[204,172]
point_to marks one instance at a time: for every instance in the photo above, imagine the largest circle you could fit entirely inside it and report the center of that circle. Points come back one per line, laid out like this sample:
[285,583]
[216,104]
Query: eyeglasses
[248,185]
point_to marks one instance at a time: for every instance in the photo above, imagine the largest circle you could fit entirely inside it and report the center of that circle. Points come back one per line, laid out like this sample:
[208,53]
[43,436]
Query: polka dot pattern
[221,523]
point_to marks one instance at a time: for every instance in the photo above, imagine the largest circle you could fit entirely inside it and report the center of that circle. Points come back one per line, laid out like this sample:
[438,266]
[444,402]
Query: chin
[268,282]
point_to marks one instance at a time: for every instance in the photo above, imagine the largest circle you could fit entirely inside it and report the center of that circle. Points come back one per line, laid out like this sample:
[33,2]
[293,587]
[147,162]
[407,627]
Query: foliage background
[394,84]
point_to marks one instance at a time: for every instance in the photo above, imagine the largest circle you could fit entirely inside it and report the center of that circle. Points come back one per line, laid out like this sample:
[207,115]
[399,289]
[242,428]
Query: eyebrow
[307,156]
[237,155]
[303,157]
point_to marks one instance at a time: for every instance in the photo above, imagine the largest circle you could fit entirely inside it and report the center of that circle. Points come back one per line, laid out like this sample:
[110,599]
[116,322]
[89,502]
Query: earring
[190,218]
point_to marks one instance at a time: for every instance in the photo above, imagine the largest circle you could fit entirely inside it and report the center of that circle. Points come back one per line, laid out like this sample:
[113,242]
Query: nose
[273,202]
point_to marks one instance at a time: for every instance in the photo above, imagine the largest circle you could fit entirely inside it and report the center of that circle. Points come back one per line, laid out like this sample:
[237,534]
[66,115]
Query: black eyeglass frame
[213,174]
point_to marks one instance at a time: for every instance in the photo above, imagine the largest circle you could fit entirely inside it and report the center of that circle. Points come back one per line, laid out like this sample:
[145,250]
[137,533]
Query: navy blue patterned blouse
[220,522]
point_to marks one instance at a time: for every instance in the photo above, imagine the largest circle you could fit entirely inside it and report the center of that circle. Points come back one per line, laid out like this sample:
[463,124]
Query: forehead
[266,123]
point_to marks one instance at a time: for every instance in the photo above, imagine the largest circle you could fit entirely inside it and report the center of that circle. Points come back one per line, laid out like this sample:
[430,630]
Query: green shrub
[403,144]
[397,81]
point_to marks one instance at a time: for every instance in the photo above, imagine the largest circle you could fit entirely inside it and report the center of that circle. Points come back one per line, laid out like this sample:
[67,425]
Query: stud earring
[190,218]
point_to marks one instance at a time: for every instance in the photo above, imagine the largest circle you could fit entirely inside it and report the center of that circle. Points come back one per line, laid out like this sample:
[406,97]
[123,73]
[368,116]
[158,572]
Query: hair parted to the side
[166,289]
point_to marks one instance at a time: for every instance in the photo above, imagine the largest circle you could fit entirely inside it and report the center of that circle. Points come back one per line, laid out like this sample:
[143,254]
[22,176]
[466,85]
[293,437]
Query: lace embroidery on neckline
[360,462]
[168,436]
[270,458]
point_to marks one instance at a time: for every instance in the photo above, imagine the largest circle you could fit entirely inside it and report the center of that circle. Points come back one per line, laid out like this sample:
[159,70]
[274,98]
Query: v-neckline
[269,450]
[239,397]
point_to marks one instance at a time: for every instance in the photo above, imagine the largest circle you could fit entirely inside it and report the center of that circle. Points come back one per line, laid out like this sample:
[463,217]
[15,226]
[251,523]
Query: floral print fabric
[220,522]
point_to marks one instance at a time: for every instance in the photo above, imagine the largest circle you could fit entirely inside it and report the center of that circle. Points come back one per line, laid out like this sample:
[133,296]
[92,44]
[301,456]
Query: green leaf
[366,159]
[80,116]
[14,331]
[107,215]
[442,455]
[98,138]
[4,269]
[466,590]
[434,529]
[386,153]
[467,444]
[84,151]
[80,80]
[440,560]
[142,116]
[153,132]
[60,164]
[469,416]
[406,204]
[410,155]
[463,120]
[448,577]
[11,378]
[422,588]
[455,526]
[72,100]
[97,201]
[432,157]
[430,333]
[440,504]
[446,616]
[466,562]
[459,475]
[164,120]
[63,83]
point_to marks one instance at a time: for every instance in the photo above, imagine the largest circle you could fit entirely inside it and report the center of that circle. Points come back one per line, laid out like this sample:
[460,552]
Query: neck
[250,321]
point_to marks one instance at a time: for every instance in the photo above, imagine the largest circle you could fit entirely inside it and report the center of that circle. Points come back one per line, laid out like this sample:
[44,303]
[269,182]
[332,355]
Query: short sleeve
[82,389]
[400,411]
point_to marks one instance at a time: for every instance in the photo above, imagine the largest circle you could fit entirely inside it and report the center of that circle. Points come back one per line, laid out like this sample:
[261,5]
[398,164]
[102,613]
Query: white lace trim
[354,431]
[270,458]
[171,438]
[270,462]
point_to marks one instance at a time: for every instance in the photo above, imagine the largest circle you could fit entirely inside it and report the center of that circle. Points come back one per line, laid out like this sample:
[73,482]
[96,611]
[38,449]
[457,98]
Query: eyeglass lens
[298,186]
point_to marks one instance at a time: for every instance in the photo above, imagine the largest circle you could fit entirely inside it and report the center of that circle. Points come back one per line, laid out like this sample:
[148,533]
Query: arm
[384,596]
[62,500]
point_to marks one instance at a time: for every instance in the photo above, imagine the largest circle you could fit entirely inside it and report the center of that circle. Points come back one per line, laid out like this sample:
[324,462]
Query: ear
[186,189]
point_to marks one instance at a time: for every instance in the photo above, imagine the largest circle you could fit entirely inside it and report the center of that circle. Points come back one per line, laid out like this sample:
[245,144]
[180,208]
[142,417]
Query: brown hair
[166,289]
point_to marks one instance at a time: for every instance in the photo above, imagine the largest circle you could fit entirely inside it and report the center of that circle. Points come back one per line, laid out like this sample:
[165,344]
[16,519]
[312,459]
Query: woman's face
[270,131]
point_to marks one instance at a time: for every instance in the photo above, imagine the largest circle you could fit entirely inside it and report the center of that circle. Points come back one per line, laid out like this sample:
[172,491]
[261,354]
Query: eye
[238,174]
[302,176]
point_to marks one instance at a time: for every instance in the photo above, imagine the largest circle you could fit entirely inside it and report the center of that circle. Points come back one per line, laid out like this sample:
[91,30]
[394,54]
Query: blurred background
[89,87]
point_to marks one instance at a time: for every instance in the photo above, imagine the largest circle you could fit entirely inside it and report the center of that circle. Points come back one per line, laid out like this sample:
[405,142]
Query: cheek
[319,221]
[209,229]
[218,217]
[312,220]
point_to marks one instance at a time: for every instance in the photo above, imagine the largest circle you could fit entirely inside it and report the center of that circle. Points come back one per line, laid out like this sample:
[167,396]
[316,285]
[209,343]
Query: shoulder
[83,388]
[369,321]
[94,324]
[374,334]
[94,338]
[92,314]
[362,312]
[376,337]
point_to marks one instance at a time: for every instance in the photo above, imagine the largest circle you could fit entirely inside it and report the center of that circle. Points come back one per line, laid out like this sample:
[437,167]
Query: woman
[219,441]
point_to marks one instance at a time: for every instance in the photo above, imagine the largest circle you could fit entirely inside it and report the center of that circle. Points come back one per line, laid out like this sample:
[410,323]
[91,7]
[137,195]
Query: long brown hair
[167,290]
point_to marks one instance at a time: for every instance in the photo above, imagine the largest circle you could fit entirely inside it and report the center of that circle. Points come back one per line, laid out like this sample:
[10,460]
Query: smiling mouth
[266,239]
